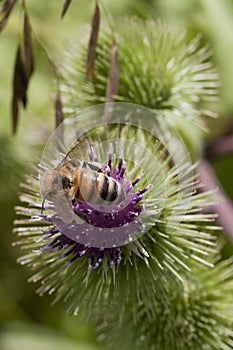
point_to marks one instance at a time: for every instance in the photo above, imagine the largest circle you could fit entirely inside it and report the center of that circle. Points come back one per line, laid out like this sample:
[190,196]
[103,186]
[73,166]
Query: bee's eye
[65,182]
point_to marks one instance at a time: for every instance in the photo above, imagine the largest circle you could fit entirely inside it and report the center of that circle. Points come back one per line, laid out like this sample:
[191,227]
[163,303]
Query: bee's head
[51,184]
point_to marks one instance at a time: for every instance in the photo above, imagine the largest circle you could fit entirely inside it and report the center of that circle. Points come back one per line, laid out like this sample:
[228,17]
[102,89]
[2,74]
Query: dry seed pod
[5,10]
[65,8]
[20,83]
[92,43]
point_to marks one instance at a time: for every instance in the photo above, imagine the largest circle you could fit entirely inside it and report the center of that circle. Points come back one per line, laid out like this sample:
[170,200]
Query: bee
[86,182]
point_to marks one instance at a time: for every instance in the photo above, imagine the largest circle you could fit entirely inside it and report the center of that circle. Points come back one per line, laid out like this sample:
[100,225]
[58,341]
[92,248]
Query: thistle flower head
[197,315]
[157,224]
[157,69]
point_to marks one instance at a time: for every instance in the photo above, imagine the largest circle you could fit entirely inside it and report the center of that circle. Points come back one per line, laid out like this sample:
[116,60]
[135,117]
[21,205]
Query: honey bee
[87,182]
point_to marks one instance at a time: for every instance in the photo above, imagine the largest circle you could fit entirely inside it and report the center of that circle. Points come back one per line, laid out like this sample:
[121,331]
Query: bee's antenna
[42,206]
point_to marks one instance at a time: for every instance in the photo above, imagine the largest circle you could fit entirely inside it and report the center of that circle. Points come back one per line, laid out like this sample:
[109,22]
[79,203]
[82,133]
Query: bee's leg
[42,206]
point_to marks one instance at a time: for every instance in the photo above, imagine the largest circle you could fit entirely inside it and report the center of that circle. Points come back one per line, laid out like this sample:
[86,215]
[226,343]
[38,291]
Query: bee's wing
[75,155]
[63,208]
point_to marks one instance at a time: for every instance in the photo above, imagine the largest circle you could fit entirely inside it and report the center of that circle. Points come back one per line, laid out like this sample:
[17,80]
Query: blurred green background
[26,320]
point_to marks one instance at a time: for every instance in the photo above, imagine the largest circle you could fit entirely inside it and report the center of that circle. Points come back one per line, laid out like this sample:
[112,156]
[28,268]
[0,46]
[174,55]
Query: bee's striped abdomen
[94,187]
[109,189]
[86,185]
